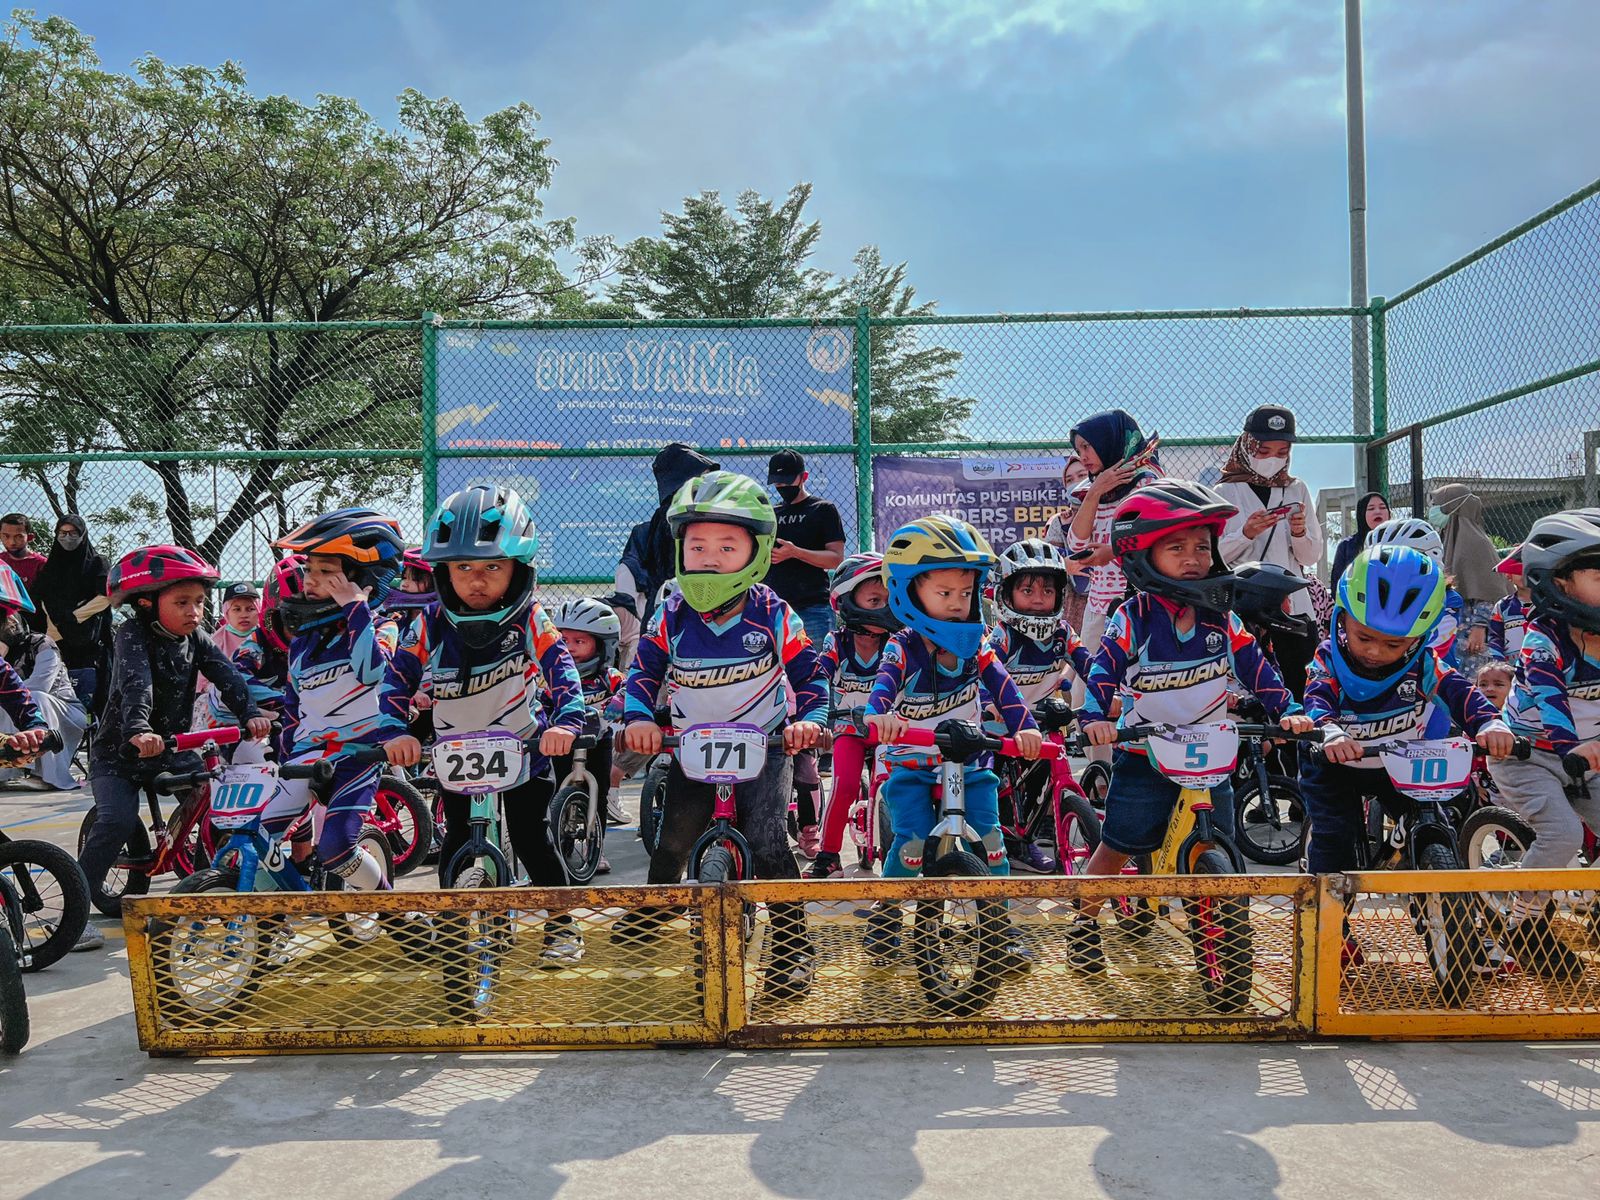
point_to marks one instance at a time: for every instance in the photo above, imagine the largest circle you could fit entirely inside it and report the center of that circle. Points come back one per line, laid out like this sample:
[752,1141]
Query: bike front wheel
[474,941]
[1219,931]
[577,841]
[14,1027]
[54,897]
[1271,828]
[959,944]
[208,966]
[1444,922]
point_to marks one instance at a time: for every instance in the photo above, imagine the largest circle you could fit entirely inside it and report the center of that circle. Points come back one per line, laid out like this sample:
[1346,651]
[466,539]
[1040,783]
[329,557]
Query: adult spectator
[35,658]
[1116,455]
[1470,563]
[1372,510]
[1275,523]
[648,559]
[72,575]
[14,538]
[1074,483]
[810,543]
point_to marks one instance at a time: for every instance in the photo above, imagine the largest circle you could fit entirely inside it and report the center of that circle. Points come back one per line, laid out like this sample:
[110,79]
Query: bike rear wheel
[53,895]
[401,814]
[1096,782]
[14,1027]
[121,880]
[958,944]
[1444,921]
[1270,829]
[1219,930]
[1493,837]
[1077,830]
[577,841]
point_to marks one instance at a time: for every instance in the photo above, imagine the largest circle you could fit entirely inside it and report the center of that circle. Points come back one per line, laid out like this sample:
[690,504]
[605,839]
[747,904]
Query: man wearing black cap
[810,543]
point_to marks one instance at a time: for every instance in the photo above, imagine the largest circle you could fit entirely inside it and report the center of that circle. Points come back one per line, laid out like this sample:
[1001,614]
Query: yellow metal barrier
[947,978]
[219,973]
[1423,954]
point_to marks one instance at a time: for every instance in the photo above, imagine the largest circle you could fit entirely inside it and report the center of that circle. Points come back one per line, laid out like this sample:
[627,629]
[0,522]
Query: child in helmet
[1509,616]
[1555,702]
[850,658]
[1172,650]
[725,646]
[1040,651]
[592,633]
[1421,535]
[338,651]
[493,661]
[158,655]
[940,667]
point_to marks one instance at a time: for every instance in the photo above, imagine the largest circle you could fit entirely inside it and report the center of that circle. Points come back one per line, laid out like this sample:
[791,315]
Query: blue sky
[1038,155]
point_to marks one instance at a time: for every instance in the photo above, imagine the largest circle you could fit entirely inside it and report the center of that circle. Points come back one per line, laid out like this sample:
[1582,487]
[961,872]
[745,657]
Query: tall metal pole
[1356,150]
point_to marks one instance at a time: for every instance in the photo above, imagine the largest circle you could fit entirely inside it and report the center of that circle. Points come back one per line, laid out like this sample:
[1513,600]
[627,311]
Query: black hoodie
[68,579]
[648,560]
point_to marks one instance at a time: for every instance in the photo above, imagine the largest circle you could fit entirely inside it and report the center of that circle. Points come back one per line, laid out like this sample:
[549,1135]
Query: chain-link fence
[1490,373]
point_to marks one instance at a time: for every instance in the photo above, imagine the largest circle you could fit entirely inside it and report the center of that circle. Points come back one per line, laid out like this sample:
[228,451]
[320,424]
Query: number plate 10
[242,794]
[722,753]
[478,763]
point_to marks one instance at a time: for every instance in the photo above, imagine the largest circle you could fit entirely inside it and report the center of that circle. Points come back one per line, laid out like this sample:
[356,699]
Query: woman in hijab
[1470,563]
[1372,510]
[72,575]
[1074,482]
[1275,523]
[1118,458]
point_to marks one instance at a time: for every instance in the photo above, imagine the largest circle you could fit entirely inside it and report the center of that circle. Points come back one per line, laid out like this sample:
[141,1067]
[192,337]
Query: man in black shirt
[810,544]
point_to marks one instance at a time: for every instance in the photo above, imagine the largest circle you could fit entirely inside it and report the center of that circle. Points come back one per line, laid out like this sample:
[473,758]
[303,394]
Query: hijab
[1469,556]
[1115,435]
[1362,528]
[1238,469]
[69,577]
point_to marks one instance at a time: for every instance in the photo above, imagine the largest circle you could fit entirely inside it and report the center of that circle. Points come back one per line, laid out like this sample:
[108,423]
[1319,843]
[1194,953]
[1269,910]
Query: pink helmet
[286,581]
[1511,564]
[150,569]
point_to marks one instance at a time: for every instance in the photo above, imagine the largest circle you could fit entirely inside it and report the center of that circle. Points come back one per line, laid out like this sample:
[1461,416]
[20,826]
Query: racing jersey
[1169,677]
[1444,634]
[912,684]
[1040,669]
[1506,624]
[1421,704]
[330,695]
[520,683]
[1556,699]
[730,672]
[265,672]
[849,674]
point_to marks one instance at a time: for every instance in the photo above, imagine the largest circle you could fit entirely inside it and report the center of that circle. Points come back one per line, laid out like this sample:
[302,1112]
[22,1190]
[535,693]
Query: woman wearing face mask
[73,575]
[1074,483]
[1275,523]
[1470,564]
[1372,510]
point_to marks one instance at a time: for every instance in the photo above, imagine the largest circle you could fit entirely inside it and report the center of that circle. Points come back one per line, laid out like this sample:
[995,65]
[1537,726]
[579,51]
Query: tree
[910,402]
[174,195]
[714,263]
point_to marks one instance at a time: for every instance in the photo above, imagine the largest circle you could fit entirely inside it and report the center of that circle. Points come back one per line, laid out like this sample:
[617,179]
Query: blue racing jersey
[1041,669]
[912,684]
[330,696]
[850,672]
[1556,699]
[1506,624]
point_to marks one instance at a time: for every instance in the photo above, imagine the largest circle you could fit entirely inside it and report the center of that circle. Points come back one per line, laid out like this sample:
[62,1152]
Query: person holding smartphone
[1275,523]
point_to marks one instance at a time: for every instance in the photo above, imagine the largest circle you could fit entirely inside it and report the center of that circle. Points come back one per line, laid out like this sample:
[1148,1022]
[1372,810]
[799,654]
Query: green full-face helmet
[729,499]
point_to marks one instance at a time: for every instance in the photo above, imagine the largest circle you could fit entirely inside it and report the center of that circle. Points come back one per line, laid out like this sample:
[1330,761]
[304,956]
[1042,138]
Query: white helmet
[1408,531]
[597,619]
[1032,557]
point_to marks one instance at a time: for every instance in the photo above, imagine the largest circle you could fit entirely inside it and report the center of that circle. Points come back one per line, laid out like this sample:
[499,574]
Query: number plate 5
[1197,756]
[722,753]
[478,763]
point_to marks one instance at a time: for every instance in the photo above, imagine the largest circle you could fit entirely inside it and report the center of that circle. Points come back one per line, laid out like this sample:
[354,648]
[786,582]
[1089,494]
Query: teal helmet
[1395,591]
[478,524]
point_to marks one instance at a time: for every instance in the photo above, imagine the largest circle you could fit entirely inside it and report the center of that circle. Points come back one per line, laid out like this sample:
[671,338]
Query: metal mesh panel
[937,960]
[222,972]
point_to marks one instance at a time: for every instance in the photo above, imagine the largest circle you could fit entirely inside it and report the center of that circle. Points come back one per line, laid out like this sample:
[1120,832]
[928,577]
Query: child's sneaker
[614,813]
[809,841]
[563,944]
[883,935]
[1084,950]
[602,867]
[791,971]
[1539,950]
[1032,859]
[1016,958]
[826,865]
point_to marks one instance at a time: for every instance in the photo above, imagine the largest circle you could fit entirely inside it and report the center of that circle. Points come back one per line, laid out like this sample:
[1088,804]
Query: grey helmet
[1030,557]
[1555,544]
[1407,531]
[595,618]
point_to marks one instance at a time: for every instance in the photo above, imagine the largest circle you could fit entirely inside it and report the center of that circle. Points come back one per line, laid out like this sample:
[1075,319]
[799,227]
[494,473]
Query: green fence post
[430,413]
[863,428]
[1378,472]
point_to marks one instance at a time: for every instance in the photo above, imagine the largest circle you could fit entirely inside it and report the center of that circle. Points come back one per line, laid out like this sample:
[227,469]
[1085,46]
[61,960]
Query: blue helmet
[1395,591]
[935,544]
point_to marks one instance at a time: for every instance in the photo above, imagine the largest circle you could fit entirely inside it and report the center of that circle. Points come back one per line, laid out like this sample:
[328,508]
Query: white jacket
[1276,545]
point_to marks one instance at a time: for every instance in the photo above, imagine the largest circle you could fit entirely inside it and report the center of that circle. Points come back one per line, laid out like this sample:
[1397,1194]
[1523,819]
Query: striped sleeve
[1255,671]
[649,671]
[1109,666]
[800,663]
[1545,674]
[563,685]
[1003,694]
[891,677]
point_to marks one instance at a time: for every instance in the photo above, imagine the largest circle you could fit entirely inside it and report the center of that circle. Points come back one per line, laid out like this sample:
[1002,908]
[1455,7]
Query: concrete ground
[84,1114]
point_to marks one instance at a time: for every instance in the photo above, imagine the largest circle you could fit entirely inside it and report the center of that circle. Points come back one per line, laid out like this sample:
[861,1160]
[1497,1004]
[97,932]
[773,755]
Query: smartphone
[1283,510]
[1080,555]
[1143,457]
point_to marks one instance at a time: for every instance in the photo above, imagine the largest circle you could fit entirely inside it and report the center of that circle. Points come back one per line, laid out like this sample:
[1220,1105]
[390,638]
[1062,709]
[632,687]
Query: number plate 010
[241,794]
[722,753]
[478,763]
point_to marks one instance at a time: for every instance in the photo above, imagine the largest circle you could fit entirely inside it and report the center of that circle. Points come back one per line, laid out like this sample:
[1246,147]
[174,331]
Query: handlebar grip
[320,771]
[177,781]
[1577,766]
[585,741]
[225,735]
[1522,749]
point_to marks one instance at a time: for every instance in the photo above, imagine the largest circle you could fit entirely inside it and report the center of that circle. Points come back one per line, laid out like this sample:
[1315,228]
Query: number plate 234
[478,763]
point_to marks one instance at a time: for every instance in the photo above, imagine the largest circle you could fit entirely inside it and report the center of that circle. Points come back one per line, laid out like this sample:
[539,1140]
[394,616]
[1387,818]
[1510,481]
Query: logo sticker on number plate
[478,762]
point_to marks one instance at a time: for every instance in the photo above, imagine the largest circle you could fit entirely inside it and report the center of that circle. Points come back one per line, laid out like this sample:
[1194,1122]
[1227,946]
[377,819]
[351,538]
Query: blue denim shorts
[1140,801]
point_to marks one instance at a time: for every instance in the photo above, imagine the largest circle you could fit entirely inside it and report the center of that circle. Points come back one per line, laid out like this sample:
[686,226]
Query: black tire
[14,1028]
[474,942]
[1219,930]
[429,790]
[351,930]
[957,963]
[718,866]
[107,894]
[1493,837]
[1095,782]
[577,844]
[1444,922]
[652,795]
[1259,840]
[410,842]
[54,897]
[1076,821]
[245,945]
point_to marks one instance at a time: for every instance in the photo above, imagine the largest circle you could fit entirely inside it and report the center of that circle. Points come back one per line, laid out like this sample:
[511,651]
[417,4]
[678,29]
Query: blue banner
[601,388]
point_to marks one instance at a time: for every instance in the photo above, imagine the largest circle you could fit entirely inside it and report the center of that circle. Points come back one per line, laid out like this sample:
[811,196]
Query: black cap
[243,590]
[785,466]
[1270,423]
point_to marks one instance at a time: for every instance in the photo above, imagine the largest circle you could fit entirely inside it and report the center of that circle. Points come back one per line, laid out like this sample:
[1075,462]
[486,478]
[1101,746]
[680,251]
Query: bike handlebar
[172,782]
[1521,748]
[962,739]
[1575,764]
[8,753]
[1245,729]
[321,771]
[671,741]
